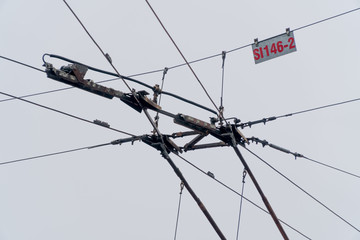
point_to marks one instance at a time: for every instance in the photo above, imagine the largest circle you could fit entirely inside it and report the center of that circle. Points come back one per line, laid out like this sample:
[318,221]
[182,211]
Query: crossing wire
[64,113]
[241,200]
[265,120]
[239,194]
[190,62]
[335,168]
[246,45]
[162,144]
[303,190]
[214,55]
[178,210]
[21,63]
[48,155]
[298,155]
[186,61]
[318,108]
[250,44]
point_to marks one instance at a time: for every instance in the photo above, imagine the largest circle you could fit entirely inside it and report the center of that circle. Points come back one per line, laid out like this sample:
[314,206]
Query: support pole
[266,202]
[193,194]
[182,178]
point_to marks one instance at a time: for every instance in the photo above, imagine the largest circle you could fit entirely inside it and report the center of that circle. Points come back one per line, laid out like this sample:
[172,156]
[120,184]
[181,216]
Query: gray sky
[130,191]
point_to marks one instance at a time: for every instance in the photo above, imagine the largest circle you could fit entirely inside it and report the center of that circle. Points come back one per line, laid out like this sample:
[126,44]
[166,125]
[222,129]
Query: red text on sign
[273,49]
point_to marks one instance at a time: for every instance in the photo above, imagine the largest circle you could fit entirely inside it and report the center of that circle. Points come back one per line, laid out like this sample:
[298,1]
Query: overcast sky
[130,191]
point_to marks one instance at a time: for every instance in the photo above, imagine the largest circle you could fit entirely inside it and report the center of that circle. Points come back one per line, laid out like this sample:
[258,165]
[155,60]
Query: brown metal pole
[182,178]
[192,193]
[266,202]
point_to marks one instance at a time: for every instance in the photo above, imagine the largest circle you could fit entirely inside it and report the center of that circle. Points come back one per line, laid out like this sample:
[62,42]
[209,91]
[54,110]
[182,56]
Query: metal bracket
[256,41]
[288,31]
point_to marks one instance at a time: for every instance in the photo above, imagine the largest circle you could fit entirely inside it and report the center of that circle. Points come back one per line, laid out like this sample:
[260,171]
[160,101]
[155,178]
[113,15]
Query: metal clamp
[288,31]
[256,41]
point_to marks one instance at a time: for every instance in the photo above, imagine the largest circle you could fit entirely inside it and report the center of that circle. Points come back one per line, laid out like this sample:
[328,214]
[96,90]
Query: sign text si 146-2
[274,47]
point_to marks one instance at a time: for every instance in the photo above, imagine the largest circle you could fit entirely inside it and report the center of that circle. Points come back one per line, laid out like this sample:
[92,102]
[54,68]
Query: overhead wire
[332,167]
[161,89]
[162,144]
[178,210]
[242,125]
[250,44]
[303,190]
[318,108]
[48,155]
[298,155]
[260,191]
[64,113]
[185,160]
[211,56]
[222,80]
[268,119]
[245,45]
[197,60]
[326,19]
[239,194]
[106,55]
[108,80]
[36,94]
[241,200]
[185,60]
[21,63]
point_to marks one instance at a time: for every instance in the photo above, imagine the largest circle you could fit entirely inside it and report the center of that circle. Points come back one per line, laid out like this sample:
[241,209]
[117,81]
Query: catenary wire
[51,91]
[211,56]
[240,207]
[329,166]
[21,63]
[239,194]
[294,30]
[327,19]
[318,108]
[185,160]
[113,79]
[113,74]
[64,113]
[107,56]
[48,155]
[303,190]
[298,155]
[185,60]
[100,49]
[177,171]
[132,80]
[265,120]
[240,47]
[36,94]
[178,209]
[249,44]
[297,29]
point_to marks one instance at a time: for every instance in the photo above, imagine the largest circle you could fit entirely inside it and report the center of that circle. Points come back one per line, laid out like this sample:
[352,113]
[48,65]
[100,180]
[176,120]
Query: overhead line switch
[227,134]
[74,74]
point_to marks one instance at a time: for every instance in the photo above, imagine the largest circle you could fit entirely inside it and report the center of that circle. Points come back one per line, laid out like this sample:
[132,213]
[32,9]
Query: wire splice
[266,143]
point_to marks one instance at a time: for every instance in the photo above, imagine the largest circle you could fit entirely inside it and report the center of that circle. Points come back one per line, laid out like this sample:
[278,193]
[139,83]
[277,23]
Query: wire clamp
[288,31]
[181,187]
[223,55]
[244,175]
[108,57]
[210,174]
[256,41]
[165,72]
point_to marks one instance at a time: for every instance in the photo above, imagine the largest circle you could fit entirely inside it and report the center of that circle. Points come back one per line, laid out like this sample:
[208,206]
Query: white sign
[274,47]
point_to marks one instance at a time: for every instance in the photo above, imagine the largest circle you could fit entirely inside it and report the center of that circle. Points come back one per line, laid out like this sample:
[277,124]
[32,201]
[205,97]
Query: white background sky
[130,191]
